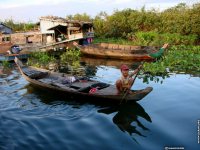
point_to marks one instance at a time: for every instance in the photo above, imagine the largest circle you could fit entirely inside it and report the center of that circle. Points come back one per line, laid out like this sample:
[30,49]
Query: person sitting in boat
[126,81]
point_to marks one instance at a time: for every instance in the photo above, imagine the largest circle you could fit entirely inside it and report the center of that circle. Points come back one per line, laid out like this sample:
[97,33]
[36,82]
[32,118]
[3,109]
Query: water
[167,117]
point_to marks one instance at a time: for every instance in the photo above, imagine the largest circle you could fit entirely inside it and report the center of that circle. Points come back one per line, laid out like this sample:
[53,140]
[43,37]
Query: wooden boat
[11,57]
[14,52]
[123,52]
[81,88]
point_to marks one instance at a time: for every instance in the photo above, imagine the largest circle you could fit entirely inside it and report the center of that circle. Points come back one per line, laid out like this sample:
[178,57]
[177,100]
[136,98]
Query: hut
[59,29]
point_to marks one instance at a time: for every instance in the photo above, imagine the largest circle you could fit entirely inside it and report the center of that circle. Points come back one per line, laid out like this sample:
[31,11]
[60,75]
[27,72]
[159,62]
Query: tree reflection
[127,116]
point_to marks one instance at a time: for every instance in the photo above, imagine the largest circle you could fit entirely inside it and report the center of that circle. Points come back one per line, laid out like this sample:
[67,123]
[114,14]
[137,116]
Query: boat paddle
[127,91]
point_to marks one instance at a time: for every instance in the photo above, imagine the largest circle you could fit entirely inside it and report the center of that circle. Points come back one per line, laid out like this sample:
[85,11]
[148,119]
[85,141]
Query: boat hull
[11,57]
[115,51]
[80,89]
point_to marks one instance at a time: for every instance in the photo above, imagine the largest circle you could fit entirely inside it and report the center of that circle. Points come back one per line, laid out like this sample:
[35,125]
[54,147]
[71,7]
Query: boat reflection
[5,71]
[49,96]
[108,62]
[127,118]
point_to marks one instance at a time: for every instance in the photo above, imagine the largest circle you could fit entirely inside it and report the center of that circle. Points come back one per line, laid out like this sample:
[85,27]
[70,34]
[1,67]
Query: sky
[32,10]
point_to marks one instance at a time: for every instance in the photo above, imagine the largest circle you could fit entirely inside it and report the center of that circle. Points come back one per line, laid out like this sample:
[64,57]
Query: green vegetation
[17,26]
[178,59]
[69,61]
[152,39]
[40,59]
[181,20]
[5,64]
[5,68]
[81,17]
[66,62]
[70,55]
[113,40]
[178,22]
[155,39]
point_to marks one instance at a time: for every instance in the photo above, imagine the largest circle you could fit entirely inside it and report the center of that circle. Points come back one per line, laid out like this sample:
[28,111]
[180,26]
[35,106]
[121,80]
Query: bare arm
[165,45]
[136,71]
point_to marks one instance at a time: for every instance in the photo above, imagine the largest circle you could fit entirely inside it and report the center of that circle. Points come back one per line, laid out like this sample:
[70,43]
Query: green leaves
[39,59]
[70,55]
[180,21]
[20,26]
[178,59]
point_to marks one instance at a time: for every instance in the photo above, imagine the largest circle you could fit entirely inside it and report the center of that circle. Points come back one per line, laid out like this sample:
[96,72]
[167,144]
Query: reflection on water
[108,62]
[33,119]
[147,78]
[49,97]
[127,118]
[4,72]
[88,66]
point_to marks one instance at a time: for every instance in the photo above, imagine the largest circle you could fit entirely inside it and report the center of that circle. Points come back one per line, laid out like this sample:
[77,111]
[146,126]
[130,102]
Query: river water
[36,120]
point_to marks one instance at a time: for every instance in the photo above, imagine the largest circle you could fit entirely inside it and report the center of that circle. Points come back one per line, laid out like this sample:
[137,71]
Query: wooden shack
[54,32]
[61,29]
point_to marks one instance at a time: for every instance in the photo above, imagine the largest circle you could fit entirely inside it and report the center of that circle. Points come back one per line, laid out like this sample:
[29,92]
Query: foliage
[40,59]
[178,59]
[118,24]
[5,64]
[80,17]
[100,24]
[180,20]
[147,78]
[70,60]
[154,38]
[113,40]
[70,55]
[19,26]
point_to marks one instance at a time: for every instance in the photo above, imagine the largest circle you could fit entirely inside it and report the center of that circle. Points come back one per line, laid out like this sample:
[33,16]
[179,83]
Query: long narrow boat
[5,56]
[11,57]
[123,52]
[79,87]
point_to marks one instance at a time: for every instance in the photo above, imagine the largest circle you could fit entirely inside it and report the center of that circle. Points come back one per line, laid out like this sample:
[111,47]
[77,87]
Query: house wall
[35,38]
[18,38]
[21,38]
[46,24]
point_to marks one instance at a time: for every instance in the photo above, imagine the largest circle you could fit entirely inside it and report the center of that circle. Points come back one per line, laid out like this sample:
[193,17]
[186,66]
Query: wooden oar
[127,91]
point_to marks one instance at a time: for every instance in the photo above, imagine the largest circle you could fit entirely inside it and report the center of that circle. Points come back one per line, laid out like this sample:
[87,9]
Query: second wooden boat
[123,52]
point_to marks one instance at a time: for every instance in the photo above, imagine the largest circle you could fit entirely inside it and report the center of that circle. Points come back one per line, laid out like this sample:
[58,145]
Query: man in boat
[126,81]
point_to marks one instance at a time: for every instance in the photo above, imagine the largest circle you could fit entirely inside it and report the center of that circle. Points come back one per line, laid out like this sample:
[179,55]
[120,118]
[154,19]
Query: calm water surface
[167,117]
